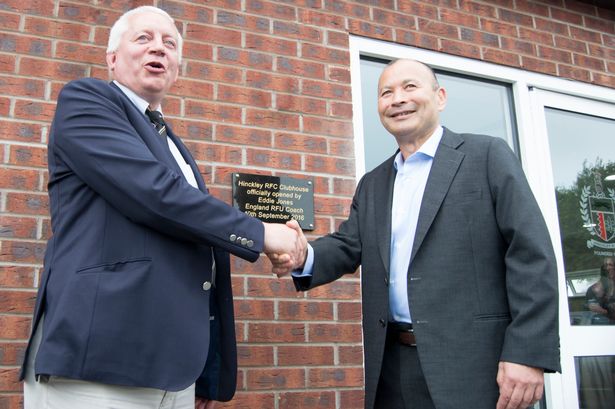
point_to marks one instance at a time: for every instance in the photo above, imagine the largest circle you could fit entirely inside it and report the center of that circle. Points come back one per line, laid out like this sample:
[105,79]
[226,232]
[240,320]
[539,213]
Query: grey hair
[121,26]
[435,83]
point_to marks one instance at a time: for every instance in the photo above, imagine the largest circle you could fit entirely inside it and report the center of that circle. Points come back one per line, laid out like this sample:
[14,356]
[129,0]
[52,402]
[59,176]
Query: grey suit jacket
[482,283]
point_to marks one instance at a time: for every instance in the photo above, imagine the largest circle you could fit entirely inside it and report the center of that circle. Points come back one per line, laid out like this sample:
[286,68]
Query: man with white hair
[135,305]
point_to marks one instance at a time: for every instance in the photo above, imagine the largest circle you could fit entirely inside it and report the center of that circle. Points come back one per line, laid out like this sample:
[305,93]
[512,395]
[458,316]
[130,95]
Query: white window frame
[560,390]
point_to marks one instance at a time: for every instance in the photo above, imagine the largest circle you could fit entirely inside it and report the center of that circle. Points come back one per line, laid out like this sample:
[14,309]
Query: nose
[157,46]
[399,96]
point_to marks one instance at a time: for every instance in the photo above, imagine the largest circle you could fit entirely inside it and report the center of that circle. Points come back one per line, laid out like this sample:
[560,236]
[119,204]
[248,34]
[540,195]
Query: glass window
[474,105]
[583,159]
[596,381]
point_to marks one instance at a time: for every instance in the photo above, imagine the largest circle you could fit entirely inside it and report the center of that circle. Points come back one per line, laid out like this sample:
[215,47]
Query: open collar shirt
[410,181]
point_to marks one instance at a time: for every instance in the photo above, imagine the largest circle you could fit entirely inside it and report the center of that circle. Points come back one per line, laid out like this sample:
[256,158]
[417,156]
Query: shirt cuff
[306,271]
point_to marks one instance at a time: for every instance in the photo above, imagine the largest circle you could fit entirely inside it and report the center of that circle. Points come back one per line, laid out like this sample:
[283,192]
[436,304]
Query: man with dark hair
[459,280]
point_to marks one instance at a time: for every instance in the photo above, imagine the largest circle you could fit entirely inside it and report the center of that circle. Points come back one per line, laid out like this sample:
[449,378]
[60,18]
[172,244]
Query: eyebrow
[404,82]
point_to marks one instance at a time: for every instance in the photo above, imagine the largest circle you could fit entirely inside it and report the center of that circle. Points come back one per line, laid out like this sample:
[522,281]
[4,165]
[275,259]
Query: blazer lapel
[443,170]
[156,144]
[188,158]
[384,194]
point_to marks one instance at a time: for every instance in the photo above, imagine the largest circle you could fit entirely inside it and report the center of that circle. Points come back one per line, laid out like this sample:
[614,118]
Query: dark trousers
[402,384]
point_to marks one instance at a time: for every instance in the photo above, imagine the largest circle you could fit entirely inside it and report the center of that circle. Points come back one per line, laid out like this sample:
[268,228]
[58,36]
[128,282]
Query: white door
[573,148]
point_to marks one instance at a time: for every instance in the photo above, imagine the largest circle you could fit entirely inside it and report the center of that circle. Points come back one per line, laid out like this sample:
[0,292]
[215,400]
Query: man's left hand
[520,386]
[201,403]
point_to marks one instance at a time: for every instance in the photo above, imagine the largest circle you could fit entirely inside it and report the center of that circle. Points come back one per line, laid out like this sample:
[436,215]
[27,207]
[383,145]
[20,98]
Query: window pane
[474,105]
[477,106]
[596,380]
[378,143]
[583,159]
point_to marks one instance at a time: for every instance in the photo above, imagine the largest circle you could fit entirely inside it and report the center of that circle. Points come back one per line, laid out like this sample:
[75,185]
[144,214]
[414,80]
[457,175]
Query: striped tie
[156,118]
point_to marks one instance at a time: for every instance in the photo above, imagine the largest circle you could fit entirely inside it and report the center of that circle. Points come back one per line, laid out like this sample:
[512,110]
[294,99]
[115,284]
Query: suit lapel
[188,158]
[443,170]
[384,194]
[158,145]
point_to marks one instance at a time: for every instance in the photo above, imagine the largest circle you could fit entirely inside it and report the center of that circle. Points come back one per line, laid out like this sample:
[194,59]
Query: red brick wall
[264,87]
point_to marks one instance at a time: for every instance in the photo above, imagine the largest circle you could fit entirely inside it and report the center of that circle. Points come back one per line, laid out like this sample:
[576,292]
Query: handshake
[286,247]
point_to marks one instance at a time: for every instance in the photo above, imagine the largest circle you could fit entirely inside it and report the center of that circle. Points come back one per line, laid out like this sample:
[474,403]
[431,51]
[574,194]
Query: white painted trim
[357,113]
[540,170]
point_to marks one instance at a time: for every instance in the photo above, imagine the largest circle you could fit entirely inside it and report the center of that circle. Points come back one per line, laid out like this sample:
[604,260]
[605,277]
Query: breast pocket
[464,194]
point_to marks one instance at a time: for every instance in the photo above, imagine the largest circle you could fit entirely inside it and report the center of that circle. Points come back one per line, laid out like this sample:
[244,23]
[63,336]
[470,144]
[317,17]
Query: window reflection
[599,297]
[596,381]
[583,168]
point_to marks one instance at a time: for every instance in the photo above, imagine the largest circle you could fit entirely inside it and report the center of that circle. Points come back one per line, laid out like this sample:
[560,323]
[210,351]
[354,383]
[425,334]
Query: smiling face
[409,101]
[146,60]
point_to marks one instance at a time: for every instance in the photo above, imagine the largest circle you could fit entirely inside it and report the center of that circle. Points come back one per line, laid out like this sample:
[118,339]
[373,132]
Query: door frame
[575,340]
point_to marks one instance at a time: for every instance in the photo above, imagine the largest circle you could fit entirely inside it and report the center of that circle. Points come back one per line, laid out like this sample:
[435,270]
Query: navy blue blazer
[123,283]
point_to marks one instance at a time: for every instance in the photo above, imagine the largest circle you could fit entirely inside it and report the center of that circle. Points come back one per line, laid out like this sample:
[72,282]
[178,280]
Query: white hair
[121,26]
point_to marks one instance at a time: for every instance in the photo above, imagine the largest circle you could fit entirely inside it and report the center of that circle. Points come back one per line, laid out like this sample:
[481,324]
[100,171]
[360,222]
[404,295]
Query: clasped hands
[286,247]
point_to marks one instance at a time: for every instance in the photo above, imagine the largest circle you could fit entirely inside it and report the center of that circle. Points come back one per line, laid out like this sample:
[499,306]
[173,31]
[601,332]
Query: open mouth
[402,113]
[155,66]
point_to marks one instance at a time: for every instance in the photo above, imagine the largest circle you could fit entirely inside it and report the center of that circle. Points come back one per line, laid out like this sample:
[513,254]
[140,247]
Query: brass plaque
[275,199]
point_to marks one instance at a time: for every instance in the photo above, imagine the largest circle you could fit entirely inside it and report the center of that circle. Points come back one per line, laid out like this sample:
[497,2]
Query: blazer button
[250,244]
[382,323]
[244,241]
[233,237]
[206,286]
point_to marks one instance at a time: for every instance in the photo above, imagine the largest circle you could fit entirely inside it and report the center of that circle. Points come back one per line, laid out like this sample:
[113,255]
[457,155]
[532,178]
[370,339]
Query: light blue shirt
[410,182]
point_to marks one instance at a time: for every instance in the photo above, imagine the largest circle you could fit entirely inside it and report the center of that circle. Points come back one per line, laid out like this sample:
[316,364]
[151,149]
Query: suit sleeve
[338,253]
[95,139]
[531,270]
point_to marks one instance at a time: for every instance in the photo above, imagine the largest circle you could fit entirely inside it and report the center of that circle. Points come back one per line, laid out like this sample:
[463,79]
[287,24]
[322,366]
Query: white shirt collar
[139,102]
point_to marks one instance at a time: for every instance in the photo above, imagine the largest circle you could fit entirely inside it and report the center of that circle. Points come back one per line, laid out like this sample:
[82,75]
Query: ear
[441,97]
[111,57]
